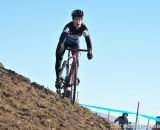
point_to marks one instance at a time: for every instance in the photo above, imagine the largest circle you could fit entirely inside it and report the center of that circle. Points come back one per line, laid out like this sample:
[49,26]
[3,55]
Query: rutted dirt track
[25,105]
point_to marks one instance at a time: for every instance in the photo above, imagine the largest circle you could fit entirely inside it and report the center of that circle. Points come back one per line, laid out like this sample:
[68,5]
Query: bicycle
[68,75]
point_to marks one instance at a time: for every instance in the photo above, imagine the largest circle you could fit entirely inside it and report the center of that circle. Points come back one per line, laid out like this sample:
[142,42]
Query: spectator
[122,120]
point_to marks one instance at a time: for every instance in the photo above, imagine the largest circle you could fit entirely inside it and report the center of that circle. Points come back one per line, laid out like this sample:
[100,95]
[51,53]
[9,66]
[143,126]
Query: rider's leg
[59,57]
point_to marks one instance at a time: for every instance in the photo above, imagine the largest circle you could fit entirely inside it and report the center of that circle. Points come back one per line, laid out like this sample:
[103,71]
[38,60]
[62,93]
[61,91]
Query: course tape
[121,111]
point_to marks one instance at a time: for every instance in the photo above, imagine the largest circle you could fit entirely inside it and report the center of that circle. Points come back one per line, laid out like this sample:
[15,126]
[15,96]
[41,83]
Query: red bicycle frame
[74,64]
[71,72]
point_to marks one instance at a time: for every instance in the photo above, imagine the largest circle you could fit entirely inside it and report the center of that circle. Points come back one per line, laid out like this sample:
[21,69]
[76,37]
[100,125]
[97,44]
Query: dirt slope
[25,105]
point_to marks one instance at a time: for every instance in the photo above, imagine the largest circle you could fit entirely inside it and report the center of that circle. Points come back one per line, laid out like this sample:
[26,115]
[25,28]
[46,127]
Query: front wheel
[74,85]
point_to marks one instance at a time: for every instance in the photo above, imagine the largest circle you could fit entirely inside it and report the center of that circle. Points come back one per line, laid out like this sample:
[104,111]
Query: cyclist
[70,38]
[122,120]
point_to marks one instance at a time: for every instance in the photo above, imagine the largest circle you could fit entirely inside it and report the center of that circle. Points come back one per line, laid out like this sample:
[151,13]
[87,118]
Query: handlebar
[75,49]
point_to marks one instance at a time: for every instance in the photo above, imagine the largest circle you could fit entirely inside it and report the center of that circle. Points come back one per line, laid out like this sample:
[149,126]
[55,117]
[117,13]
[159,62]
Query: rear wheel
[65,91]
[63,79]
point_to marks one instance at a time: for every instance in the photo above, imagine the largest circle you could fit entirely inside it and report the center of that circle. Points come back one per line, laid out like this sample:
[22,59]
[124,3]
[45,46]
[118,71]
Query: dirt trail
[25,105]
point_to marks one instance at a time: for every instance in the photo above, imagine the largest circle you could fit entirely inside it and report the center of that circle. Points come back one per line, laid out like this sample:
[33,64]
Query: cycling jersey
[71,35]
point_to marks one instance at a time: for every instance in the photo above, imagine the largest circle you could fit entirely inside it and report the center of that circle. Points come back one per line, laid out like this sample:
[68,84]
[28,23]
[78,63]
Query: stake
[137,115]
[148,124]
[108,114]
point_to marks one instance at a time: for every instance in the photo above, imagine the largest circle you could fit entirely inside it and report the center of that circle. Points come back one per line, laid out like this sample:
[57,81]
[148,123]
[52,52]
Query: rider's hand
[90,55]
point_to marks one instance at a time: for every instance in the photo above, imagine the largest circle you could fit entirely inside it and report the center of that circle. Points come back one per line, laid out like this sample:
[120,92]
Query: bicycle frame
[71,72]
[74,64]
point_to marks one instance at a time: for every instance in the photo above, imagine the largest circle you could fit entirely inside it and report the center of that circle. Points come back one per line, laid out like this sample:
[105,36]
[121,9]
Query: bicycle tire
[63,78]
[74,86]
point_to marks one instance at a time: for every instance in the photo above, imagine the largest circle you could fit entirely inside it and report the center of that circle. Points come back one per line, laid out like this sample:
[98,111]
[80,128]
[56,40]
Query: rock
[1,65]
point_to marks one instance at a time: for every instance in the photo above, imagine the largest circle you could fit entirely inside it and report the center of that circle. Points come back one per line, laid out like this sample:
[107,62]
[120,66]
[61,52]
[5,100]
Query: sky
[125,37]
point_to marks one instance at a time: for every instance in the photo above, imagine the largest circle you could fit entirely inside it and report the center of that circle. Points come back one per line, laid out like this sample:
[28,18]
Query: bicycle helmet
[77,13]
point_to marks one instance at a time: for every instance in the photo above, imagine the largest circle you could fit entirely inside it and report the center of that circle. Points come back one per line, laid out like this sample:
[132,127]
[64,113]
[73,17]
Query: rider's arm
[87,38]
[88,41]
[64,33]
[116,119]
[62,37]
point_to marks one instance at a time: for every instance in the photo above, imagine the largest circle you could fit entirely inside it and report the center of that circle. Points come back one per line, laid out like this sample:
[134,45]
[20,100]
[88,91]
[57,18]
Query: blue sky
[126,43]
